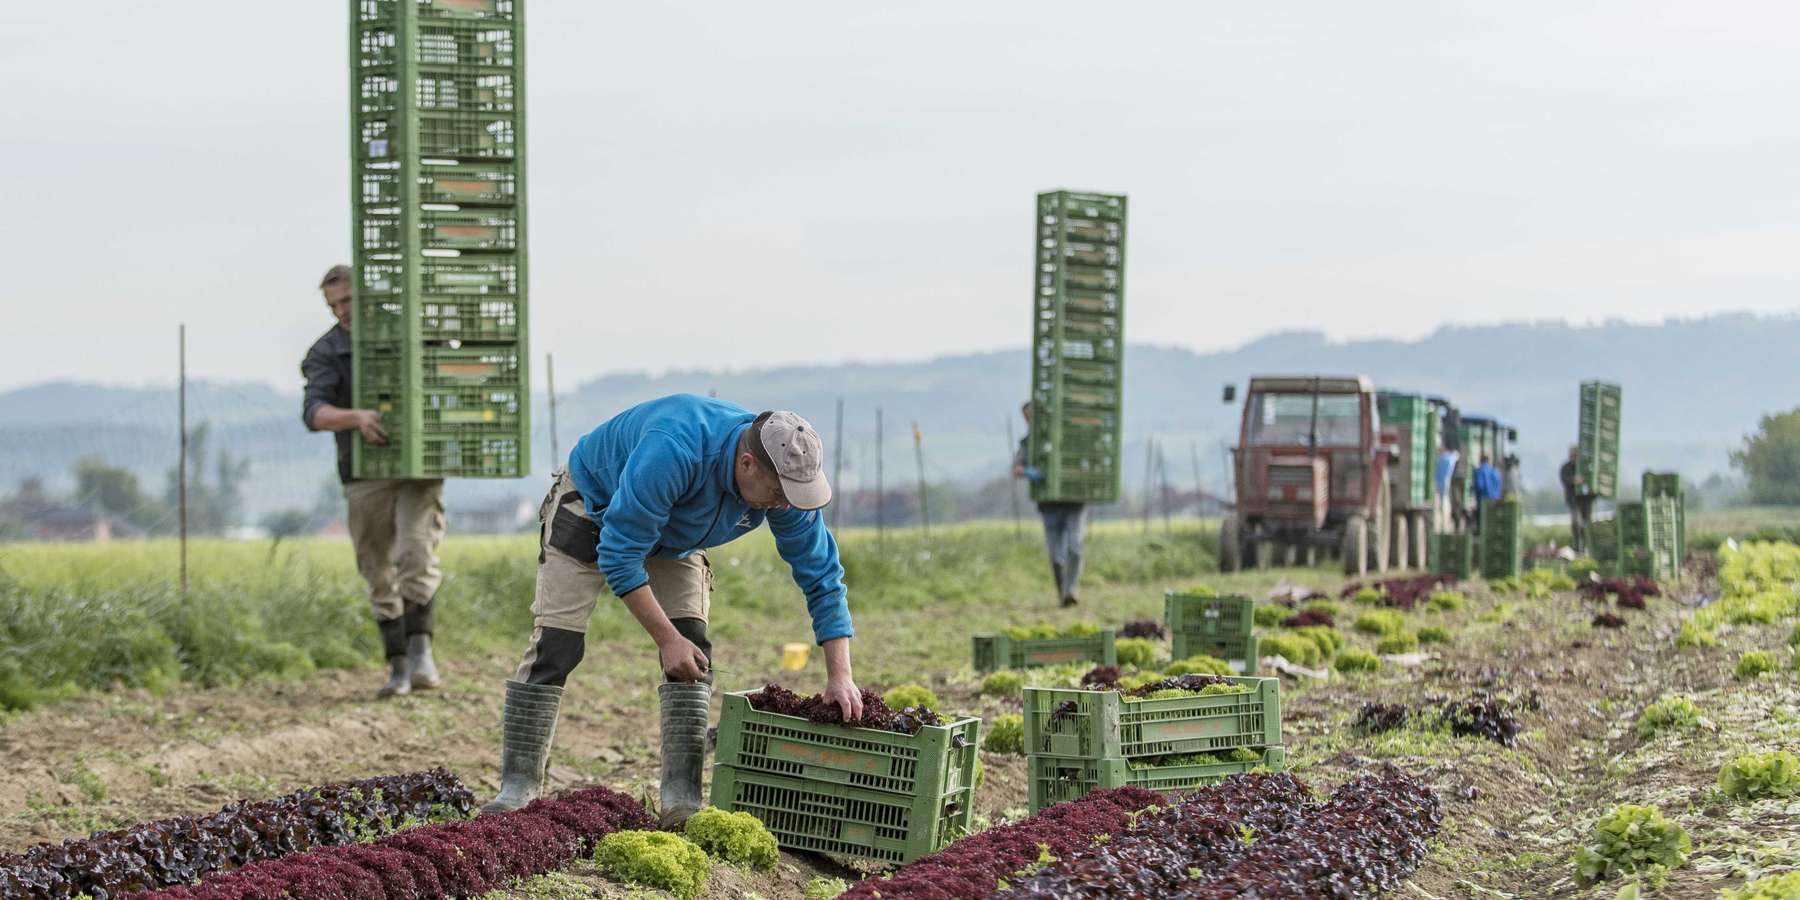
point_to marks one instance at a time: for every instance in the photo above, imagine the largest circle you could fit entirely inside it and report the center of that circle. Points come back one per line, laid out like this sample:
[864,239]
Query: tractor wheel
[1379,530]
[1231,547]
[1356,545]
[1399,544]
[1421,539]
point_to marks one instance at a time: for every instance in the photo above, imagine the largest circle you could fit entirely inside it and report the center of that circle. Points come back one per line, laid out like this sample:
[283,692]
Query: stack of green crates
[1650,539]
[1080,741]
[438,231]
[1078,345]
[1597,441]
[1413,415]
[1502,540]
[1202,624]
[1668,484]
[1603,545]
[848,791]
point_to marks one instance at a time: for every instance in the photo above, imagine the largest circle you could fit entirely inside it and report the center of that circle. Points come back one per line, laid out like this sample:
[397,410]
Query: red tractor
[1311,473]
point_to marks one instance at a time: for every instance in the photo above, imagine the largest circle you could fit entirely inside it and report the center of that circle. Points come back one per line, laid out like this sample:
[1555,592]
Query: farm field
[131,704]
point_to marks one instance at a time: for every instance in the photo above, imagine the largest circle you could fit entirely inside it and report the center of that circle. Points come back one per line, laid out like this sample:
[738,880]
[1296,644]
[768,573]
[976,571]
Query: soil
[1512,815]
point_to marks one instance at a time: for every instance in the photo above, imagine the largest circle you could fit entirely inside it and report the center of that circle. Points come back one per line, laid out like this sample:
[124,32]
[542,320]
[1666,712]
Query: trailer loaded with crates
[1078,344]
[437,93]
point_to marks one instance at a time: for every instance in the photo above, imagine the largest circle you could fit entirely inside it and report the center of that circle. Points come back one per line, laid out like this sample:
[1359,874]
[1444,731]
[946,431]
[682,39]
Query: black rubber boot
[393,644]
[1073,572]
[424,673]
[1056,571]
[685,706]
[528,725]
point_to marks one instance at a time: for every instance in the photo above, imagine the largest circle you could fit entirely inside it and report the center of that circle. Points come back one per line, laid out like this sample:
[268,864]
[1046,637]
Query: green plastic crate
[1662,484]
[936,760]
[1502,544]
[998,651]
[1244,654]
[1208,616]
[1056,779]
[1453,554]
[1103,724]
[825,817]
[1597,437]
[1412,415]
[1078,340]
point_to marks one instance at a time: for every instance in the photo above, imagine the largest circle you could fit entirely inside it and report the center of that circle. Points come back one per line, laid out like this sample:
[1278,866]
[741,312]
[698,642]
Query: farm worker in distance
[395,524]
[642,498]
[1579,501]
[1446,466]
[1064,523]
[1488,486]
[1509,476]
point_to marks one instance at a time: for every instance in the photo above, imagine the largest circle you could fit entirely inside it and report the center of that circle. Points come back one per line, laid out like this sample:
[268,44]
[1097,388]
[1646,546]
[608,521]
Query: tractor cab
[1310,471]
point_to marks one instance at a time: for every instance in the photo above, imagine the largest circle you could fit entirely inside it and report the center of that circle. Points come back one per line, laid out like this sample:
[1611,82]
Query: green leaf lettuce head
[1631,840]
[1775,773]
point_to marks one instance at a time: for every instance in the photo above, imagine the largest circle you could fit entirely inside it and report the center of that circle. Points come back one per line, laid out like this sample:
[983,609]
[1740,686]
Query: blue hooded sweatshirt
[658,478]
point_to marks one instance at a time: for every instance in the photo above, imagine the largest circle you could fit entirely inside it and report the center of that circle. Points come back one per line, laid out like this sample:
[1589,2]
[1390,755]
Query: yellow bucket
[794,656]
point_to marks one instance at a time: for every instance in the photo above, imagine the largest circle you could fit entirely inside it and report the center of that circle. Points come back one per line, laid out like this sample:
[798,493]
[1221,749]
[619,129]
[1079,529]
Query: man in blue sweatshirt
[644,495]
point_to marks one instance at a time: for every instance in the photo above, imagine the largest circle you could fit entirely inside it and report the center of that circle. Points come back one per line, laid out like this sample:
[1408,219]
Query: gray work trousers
[1063,527]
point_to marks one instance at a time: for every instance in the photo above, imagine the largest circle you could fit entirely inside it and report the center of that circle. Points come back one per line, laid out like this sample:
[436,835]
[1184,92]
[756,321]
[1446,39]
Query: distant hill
[1693,388]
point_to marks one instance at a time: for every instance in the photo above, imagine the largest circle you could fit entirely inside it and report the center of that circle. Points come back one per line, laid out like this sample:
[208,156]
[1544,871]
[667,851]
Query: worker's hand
[682,660]
[1018,471]
[368,423]
[846,695]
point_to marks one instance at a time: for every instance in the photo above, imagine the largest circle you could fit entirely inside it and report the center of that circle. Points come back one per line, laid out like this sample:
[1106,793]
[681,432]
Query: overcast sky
[744,184]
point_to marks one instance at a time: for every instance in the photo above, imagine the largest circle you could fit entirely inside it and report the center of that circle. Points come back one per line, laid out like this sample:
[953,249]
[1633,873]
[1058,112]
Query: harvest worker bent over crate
[642,498]
[395,524]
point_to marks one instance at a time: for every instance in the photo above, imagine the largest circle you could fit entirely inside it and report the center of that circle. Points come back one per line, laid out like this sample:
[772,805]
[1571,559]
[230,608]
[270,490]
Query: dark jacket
[1567,475]
[327,371]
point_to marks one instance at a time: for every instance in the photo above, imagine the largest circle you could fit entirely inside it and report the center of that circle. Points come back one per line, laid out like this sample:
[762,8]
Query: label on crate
[858,833]
[825,756]
[1055,656]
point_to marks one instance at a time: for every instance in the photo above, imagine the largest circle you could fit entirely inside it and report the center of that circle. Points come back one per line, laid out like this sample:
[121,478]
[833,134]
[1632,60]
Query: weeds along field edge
[82,617]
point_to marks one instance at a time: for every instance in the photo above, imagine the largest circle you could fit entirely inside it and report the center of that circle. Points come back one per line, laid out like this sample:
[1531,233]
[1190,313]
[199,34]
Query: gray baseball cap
[792,448]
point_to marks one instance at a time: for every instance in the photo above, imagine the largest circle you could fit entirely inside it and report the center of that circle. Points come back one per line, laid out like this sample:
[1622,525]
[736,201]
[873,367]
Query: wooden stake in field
[550,373]
[880,491]
[919,456]
[837,465]
[1013,483]
[181,418]
[1149,461]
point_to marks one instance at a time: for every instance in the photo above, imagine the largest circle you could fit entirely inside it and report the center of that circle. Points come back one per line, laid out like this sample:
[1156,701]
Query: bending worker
[644,495]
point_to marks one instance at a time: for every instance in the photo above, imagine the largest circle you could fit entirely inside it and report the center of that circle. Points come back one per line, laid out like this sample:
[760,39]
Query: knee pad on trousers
[695,631]
[556,655]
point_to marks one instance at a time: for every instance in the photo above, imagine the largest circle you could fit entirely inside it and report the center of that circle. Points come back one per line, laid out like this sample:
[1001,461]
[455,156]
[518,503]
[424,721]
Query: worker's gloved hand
[682,661]
[846,695]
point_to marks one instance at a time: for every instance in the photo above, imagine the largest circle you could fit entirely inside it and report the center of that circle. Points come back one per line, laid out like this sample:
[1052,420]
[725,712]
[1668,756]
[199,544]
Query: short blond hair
[338,274]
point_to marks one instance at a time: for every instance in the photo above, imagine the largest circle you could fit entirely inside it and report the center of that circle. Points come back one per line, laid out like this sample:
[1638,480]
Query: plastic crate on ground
[1104,724]
[1662,484]
[1453,554]
[1056,779]
[1502,544]
[935,760]
[998,651]
[824,817]
[1244,654]
[1209,616]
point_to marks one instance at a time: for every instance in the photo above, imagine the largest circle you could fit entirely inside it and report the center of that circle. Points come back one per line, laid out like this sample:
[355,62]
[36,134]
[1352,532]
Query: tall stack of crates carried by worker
[832,788]
[1502,540]
[437,92]
[1202,623]
[1597,439]
[1078,345]
[1078,741]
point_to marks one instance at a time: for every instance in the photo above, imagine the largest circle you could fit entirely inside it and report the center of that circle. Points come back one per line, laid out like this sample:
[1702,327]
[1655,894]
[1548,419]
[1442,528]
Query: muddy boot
[1073,573]
[418,648]
[684,711]
[528,724]
[393,643]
